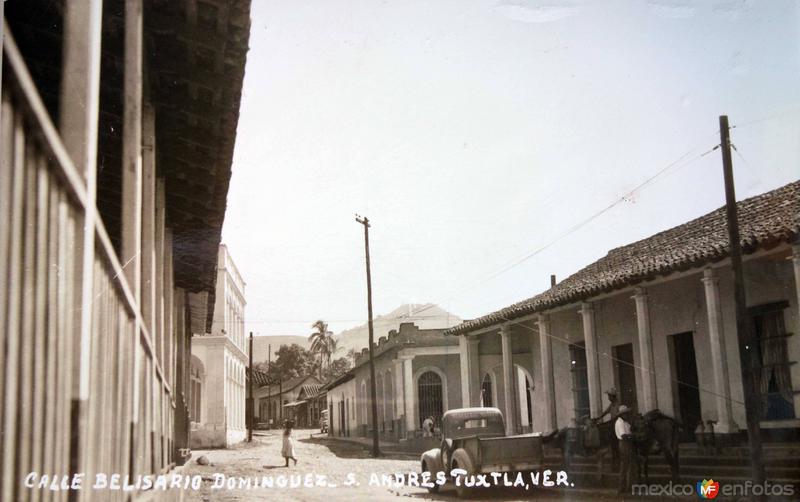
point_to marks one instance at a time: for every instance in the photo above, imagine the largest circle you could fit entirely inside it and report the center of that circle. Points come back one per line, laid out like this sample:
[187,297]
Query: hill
[425,316]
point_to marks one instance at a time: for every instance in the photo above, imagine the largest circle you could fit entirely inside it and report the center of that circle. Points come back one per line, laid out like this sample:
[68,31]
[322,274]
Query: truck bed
[513,453]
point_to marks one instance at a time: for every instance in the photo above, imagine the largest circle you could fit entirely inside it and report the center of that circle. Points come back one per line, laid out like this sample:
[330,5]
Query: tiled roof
[764,221]
[290,384]
[310,390]
[260,378]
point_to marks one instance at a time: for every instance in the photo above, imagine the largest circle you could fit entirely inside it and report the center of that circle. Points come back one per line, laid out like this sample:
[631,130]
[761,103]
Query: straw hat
[622,410]
[612,391]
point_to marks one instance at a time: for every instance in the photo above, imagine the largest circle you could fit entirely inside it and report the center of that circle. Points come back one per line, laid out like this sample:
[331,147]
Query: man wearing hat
[624,434]
[612,411]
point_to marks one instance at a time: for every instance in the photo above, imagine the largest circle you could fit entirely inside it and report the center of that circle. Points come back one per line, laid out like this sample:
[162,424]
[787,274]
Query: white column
[408,392]
[474,371]
[470,378]
[463,353]
[508,380]
[647,367]
[546,360]
[719,360]
[796,262]
[592,361]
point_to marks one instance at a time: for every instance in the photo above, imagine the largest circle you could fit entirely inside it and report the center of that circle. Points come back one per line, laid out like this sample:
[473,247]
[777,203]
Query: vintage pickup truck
[474,439]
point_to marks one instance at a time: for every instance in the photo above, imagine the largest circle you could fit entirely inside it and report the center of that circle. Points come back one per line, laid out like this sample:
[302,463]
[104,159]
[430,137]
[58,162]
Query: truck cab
[474,439]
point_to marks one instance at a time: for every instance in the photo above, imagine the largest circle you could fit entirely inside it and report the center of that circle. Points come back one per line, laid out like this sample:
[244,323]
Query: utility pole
[250,398]
[373,393]
[748,344]
[269,386]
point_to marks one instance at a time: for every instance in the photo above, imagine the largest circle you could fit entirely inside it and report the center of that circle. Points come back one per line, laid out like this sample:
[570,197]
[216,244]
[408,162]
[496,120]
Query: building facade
[219,365]
[341,403]
[280,401]
[655,319]
[417,374]
[113,212]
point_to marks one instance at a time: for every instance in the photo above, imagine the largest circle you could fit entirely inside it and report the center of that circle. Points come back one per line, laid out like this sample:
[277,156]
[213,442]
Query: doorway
[430,397]
[686,393]
[625,374]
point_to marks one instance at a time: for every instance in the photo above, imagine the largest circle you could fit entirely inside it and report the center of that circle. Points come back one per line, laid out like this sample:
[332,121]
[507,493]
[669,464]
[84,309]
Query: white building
[219,365]
[656,320]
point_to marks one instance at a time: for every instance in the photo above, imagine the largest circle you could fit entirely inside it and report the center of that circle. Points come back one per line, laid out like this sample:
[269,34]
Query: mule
[592,439]
[657,429]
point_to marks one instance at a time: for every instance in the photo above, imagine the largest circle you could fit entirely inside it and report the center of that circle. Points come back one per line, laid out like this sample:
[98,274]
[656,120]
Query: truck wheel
[461,460]
[435,487]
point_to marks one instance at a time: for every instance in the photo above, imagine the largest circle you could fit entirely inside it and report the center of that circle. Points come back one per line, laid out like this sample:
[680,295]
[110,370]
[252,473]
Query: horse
[657,429]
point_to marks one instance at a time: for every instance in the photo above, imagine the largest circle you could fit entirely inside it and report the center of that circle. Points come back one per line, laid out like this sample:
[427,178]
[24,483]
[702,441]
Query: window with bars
[580,380]
[777,393]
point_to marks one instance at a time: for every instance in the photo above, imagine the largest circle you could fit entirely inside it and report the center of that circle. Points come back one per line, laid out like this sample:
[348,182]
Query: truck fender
[431,461]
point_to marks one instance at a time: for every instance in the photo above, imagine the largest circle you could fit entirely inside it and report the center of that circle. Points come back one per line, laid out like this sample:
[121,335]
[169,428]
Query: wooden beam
[131,224]
[26,334]
[162,392]
[149,285]
[159,337]
[39,404]
[13,318]
[169,310]
[80,103]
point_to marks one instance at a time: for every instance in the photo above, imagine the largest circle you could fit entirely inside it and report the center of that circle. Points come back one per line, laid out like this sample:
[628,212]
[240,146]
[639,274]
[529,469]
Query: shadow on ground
[499,493]
[346,449]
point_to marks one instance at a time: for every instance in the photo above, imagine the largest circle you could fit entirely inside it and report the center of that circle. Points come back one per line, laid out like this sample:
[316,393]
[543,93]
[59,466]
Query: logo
[708,488]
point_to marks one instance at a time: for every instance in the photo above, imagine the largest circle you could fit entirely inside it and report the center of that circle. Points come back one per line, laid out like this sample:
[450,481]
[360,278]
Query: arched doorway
[429,397]
[524,387]
[381,401]
[487,392]
[522,402]
[365,418]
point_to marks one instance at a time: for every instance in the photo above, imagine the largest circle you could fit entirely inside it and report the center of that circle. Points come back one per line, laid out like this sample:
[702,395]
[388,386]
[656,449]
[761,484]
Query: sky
[479,137]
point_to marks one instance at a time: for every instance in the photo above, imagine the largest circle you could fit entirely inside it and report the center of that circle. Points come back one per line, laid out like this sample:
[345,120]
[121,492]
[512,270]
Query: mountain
[261,345]
[425,316]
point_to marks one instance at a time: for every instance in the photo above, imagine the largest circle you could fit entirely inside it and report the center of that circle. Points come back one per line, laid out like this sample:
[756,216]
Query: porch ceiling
[195,55]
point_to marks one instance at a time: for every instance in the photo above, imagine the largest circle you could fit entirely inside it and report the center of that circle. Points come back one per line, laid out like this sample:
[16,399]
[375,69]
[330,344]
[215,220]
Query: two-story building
[219,364]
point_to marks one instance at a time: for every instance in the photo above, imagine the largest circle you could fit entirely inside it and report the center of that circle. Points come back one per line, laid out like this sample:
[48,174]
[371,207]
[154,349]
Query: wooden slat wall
[43,200]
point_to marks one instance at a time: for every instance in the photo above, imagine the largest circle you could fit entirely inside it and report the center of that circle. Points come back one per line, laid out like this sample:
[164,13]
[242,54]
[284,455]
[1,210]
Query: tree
[337,368]
[323,344]
[291,361]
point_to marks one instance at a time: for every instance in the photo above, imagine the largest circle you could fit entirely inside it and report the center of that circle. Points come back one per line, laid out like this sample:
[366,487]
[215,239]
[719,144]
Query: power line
[767,118]
[680,162]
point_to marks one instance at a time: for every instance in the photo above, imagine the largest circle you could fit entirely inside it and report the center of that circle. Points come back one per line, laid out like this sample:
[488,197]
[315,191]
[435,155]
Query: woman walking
[287,450]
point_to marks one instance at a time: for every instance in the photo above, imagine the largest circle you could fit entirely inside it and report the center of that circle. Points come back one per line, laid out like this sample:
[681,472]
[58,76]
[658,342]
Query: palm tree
[323,344]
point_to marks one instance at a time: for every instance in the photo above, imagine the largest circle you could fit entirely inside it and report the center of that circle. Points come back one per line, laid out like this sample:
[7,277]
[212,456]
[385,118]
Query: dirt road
[327,471]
